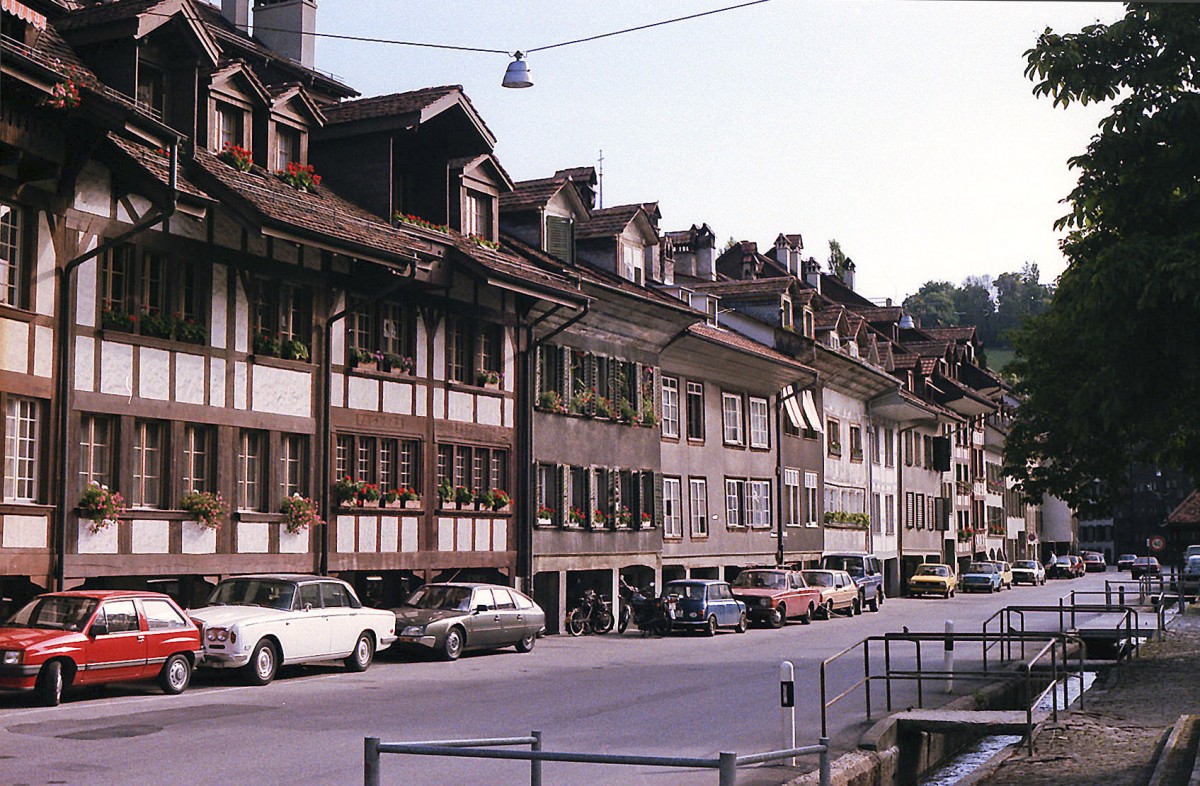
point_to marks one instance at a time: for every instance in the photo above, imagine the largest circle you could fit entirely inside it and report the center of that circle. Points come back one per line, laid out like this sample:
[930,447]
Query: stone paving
[1116,738]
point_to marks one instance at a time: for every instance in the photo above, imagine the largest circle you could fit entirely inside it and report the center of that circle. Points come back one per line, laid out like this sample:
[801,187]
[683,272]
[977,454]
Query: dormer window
[631,269]
[287,146]
[809,323]
[852,348]
[477,216]
[231,126]
[151,93]
[835,341]
[785,314]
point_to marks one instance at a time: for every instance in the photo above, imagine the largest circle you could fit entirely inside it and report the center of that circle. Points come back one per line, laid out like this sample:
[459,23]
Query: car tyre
[661,627]
[50,684]
[741,623]
[364,653]
[176,674]
[877,601]
[951,595]
[807,617]
[710,629]
[452,647]
[856,607]
[526,644]
[778,616]
[264,662]
[827,610]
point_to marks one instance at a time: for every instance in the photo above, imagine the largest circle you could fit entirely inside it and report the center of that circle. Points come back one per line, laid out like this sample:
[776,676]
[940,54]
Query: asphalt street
[683,695]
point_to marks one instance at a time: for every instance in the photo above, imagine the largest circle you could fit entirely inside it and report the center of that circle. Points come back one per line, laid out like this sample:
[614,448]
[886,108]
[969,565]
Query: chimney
[287,27]
[706,255]
[237,12]
[812,273]
[848,274]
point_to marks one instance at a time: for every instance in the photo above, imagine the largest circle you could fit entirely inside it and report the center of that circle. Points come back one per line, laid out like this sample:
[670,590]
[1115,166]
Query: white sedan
[1028,571]
[258,623]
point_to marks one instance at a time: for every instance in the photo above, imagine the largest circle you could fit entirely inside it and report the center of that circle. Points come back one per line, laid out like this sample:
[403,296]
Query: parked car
[1005,571]
[838,591]
[1191,574]
[1145,566]
[1067,566]
[705,604]
[454,617]
[258,623]
[1191,551]
[1093,562]
[1125,561]
[1028,571]
[866,571]
[91,637]
[981,577]
[772,596]
[933,578]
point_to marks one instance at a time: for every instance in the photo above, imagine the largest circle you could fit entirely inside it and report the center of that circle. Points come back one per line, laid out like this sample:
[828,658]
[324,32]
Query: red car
[773,596]
[90,637]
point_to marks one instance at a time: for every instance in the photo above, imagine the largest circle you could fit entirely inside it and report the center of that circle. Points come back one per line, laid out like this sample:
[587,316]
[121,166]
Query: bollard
[948,663]
[787,704]
[371,761]
[826,773]
[727,769]
[1121,595]
[535,765]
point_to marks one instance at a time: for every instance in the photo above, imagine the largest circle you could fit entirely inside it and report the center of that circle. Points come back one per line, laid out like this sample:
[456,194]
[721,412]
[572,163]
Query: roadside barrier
[726,764]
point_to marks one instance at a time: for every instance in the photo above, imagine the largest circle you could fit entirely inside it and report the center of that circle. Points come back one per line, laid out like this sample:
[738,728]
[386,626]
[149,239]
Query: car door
[846,590]
[167,632]
[304,633]
[485,625]
[116,648]
[728,611]
[511,619]
[341,618]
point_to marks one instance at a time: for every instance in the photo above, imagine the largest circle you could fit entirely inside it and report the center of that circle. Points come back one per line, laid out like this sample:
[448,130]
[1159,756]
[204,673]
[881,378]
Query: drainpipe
[64,382]
[779,529]
[327,407]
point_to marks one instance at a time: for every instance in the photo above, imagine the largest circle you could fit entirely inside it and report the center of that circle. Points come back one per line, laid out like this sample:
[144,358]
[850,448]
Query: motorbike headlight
[413,630]
[12,657]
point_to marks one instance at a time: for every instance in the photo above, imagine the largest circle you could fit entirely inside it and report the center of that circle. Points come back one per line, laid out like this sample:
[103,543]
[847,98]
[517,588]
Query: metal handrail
[1130,620]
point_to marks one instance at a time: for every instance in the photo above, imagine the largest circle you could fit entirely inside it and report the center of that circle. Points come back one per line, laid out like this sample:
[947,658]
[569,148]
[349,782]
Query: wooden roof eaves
[165,12]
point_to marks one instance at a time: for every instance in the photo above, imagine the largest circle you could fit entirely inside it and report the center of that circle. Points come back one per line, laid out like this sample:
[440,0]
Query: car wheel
[711,628]
[991,588]
[263,663]
[452,647]
[660,627]
[778,616]
[526,644]
[877,601]
[827,610]
[807,616]
[364,653]
[951,595]
[176,674]
[576,622]
[50,684]
[741,623]
[856,607]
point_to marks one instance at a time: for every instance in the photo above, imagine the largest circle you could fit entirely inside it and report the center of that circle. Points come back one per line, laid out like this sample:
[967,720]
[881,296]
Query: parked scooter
[592,614]
[651,614]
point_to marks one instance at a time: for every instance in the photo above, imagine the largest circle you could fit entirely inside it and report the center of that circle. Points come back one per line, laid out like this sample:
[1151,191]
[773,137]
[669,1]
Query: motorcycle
[591,615]
[649,613]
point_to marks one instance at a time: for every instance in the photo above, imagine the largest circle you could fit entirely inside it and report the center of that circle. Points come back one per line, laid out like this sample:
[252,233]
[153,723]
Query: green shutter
[560,238]
[658,499]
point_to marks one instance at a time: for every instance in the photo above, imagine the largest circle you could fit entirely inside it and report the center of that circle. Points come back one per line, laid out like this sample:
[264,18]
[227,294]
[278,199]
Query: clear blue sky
[903,129]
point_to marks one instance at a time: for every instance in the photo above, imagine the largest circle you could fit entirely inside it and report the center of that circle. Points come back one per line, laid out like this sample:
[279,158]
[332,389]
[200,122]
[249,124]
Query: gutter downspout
[327,408]
[779,551]
[64,384]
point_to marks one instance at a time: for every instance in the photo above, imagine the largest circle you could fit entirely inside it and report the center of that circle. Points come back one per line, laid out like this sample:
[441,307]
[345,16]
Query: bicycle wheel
[577,622]
[626,615]
[602,621]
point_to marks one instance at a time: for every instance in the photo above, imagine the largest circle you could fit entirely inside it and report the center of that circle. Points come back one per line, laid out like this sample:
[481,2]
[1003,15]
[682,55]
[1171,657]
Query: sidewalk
[1115,739]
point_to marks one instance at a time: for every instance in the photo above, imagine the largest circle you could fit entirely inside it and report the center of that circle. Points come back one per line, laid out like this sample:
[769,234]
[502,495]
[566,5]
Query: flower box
[411,504]
[545,521]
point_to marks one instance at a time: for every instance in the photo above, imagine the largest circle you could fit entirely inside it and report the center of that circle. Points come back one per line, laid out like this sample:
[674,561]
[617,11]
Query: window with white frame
[810,499]
[759,493]
[147,464]
[230,126]
[695,411]
[760,423]
[197,458]
[249,470]
[293,464]
[12,256]
[478,219]
[698,510]
[735,503]
[95,450]
[791,498]
[22,449]
[670,407]
[672,519]
[731,418]
[631,269]
[889,448]
[287,146]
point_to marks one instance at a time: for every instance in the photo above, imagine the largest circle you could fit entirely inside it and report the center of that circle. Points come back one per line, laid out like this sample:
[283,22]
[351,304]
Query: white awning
[791,405]
[811,414]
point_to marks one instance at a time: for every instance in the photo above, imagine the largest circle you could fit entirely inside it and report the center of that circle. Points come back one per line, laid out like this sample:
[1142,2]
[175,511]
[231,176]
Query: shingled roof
[157,164]
[739,342]
[607,222]
[529,194]
[953,333]
[388,105]
[1188,511]
[752,287]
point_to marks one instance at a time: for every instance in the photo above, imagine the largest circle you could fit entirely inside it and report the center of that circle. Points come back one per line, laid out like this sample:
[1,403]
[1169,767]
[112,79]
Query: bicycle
[592,614]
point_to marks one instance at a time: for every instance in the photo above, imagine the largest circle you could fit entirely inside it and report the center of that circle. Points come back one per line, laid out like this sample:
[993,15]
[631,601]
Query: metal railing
[1004,618]
[1055,647]
[726,764]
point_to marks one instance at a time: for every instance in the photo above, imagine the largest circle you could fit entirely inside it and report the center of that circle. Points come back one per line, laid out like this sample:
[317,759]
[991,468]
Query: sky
[904,129]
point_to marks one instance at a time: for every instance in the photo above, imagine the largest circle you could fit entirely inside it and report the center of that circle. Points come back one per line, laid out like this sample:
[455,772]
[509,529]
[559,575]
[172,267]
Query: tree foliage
[838,261]
[995,308]
[1108,373]
[933,304]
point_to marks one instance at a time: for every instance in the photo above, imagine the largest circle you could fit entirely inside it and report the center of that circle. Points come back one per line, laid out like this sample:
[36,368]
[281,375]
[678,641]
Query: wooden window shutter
[560,238]
[542,352]
[658,499]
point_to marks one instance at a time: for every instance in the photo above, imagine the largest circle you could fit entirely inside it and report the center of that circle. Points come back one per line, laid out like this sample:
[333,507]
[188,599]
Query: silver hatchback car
[454,617]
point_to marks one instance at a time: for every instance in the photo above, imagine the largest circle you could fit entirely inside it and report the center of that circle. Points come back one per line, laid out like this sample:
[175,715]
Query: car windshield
[440,596]
[1125,557]
[818,578]
[852,565]
[1026,564]
[268,593]
[760,579]
[933,570]
[981,567]
[685,590]
[57,612]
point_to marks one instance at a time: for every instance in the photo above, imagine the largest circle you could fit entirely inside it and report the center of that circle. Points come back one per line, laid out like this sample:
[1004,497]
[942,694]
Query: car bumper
[223,659]
[22,682]
[1019,578]
[969,586]
[924,587]
[416,641]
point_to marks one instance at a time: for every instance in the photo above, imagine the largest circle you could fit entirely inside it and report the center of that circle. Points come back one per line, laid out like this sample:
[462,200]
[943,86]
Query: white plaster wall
[151,537]
[439,351]
[422,400]
[482,536]
[461,407]
[336,393]
[848,411]
[85,363]
[389,534]
[86,286]
[140,206]
[241,323]
[198,539]
[508,412]
[439,403]
[463,541]
[43,351]
[253,537]
[154,374]
[189,378]
[26,532]
[363,393]
[509,366]
[116,368]
[397,398]
[499,534]
[366,534]
[293,543]
[423,364]
[218,326]
[216,383]
[239,385]
[408,534]
[282,391]
[489,410]
[93,189]
[345,534]
[445,534]
[14,346]
[44,270]
[102,542]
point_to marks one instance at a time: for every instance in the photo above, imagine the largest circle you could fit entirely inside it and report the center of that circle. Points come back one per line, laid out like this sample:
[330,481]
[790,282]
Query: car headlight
[216,634]
[12,657]
[413,630]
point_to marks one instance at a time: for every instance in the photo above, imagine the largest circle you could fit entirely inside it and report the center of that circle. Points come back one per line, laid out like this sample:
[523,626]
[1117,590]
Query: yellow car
[933,579]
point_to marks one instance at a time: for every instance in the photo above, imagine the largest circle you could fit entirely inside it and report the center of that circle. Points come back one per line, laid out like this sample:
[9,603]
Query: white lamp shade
[517,74]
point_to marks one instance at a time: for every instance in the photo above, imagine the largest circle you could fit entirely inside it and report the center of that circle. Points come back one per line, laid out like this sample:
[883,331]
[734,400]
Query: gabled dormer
[284,137]
[545,212]
[236,103]
[620,239]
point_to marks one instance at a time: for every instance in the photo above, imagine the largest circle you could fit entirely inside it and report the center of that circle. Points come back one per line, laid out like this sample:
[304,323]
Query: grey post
[948,658]
[728,769]
[535,765]
[787,703]
[370,761]
[826,773]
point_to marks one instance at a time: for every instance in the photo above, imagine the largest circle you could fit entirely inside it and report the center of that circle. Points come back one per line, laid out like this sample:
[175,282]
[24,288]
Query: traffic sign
[1156,542]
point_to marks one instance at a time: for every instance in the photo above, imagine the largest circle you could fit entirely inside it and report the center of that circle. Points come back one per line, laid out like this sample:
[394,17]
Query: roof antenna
[600,184]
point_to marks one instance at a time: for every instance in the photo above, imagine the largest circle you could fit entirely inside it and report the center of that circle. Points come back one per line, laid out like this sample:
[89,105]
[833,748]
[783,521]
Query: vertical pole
[1107,593]
[370,761]
[867,673]
[1062,622]
[1121,594]
[728,769]
[920,695]
[1072,609]
[948,661]
[787,704]
[826,774]
[887,670]
[1028,709]
[1054,677]
[824,708]
[535,765]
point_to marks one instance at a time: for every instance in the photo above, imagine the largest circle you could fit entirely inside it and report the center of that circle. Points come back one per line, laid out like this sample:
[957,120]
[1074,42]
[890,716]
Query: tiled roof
[934,349]
[51,51]
[103,13]
[392,104]
[607,221]
[880,313]
[741,343]
[955,333]
[750,287]
[828,317]
[515,268]
[531,193]
[928,366]
[1188,511]
[157,164]
[904,360]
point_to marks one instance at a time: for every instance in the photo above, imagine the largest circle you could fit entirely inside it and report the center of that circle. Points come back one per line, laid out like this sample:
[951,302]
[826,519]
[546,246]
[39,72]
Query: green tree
[933,304]
[837,259]
[1108,373]
[973,306]
[1019,296]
